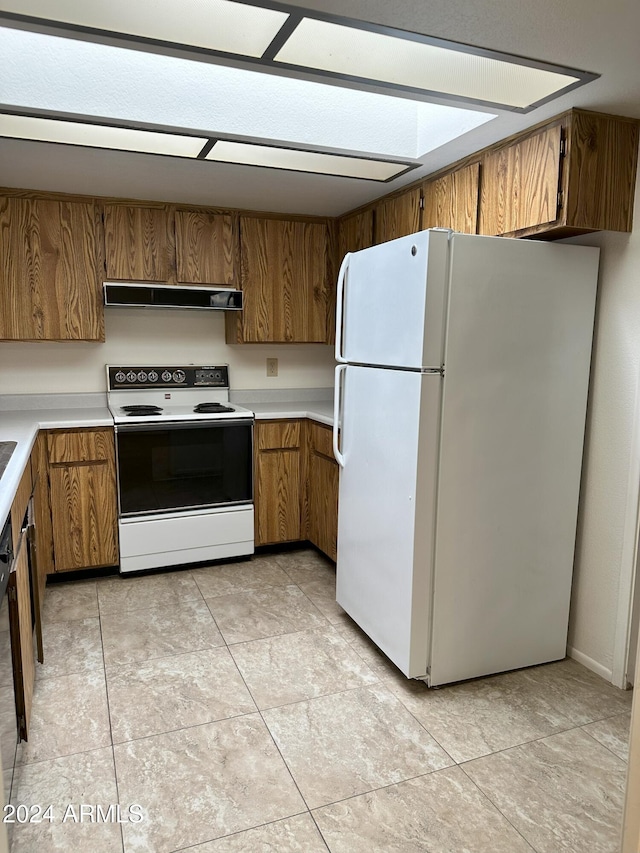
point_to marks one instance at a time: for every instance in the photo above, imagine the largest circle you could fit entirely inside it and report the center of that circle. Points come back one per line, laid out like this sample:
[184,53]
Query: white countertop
[22,427]
[316,410]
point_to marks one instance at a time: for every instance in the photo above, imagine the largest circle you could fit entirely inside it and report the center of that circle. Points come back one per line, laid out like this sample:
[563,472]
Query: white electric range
[184,463]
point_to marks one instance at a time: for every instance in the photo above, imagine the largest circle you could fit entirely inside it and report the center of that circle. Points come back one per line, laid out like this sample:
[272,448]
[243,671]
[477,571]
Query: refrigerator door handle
[337,413]
[342,278]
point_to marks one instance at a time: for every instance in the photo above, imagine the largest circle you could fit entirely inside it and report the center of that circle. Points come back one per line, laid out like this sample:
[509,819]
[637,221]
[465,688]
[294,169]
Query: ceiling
[583,34]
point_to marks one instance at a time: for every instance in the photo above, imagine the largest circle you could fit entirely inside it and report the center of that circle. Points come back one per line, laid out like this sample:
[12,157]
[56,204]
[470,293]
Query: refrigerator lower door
[389,438]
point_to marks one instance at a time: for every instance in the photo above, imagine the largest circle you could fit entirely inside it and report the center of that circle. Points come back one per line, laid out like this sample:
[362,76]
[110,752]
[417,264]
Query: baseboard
[590,663]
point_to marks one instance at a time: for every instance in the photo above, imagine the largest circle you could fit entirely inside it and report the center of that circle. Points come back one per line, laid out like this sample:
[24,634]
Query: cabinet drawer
[19,505]
[277,435]
[321,439]
[82,446]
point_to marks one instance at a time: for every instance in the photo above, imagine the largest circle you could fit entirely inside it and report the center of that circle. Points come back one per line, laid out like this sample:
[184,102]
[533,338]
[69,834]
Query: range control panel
[168,376]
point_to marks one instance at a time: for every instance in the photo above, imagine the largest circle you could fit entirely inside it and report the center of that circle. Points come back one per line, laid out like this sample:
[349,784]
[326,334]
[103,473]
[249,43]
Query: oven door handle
[163,426]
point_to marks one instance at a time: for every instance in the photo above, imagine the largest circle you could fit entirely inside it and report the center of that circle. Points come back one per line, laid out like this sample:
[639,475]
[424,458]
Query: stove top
[170,393]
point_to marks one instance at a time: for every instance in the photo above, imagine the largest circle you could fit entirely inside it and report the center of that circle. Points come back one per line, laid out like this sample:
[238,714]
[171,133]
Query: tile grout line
[106,690]
[619,757]
[499,810]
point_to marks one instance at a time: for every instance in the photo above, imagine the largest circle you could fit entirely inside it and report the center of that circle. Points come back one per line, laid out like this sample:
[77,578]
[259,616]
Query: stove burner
[212,408]
[141,410]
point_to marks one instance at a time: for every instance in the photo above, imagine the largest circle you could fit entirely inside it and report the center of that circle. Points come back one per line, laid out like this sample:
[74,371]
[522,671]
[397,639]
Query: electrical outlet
[272,367]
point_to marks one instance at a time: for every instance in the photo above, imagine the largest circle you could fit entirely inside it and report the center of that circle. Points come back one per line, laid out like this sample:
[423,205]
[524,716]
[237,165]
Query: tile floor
[243,711]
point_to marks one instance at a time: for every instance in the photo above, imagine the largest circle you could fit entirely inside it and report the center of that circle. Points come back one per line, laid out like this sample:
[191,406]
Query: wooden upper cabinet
[206,248]
[49,282]
[602,157]
[520,184]
[355,232]
[284,278]
[398,216]
[138,243]
[575,175]
[451,201]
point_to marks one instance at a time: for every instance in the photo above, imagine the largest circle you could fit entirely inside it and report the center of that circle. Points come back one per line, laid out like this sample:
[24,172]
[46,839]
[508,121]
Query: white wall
[605,486]
[148,336]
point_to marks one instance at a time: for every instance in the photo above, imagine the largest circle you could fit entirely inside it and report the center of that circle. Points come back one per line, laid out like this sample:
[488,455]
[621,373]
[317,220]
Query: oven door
[184,466]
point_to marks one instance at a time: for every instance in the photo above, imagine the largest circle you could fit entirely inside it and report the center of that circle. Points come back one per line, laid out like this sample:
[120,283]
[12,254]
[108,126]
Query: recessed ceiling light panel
[99,136]
[219,25]
[421,64]
[248,154]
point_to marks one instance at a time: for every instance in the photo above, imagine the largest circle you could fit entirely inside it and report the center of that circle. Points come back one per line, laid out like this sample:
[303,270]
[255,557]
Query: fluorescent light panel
[352,52]
[100,136]
[219,25]
[247,154]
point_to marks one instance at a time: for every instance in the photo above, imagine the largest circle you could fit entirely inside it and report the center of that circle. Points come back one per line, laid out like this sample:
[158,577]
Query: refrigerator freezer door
[386,508]
[395,302]
[513,416]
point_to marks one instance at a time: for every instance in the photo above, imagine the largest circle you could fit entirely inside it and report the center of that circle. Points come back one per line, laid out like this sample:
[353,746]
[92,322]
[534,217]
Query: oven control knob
[153,376]
[166,376]
[131,376]
[179,376]
[142,376]
[120,376]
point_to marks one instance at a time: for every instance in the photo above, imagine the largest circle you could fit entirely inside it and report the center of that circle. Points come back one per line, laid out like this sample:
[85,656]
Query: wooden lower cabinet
[82,486]
[296,484]
[278,481]
[20,622]
[323,504]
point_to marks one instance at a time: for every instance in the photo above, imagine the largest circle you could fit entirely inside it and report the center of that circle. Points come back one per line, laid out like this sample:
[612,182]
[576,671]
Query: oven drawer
[83,446]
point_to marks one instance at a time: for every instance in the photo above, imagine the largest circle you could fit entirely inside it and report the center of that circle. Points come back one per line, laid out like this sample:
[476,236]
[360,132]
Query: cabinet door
[278,482]
[355,233]
[42,510]
[284,279]
[520,184]
[21,636]
[323,503]
[398,216]
[138,243]
[206,248]
[49,284]
[452,201]
[84,508]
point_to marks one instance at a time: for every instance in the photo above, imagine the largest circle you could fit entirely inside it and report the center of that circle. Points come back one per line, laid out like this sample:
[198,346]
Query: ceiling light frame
[267,61]
[209,141]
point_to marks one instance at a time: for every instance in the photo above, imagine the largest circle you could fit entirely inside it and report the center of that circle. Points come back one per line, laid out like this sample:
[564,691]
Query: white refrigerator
[461,394]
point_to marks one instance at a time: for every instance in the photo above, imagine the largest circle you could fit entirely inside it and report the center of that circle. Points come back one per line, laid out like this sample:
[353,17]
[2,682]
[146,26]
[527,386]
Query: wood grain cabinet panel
[42,510]
[451,201]
[279,482]
[20,502]
[83,500]
[284,266]
[138,243]
[49,259]
[398,216]
[22,649]
[322,490]
[520,184]
[206,248]
[81,446]
[355,232]
[575,175]
[602,156]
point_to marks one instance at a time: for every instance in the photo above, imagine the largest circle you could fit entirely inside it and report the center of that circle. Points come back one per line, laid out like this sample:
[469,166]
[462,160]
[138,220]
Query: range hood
[139,295]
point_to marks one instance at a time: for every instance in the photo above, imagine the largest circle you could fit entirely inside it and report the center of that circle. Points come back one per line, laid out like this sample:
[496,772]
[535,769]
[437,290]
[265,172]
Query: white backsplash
[152,336]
